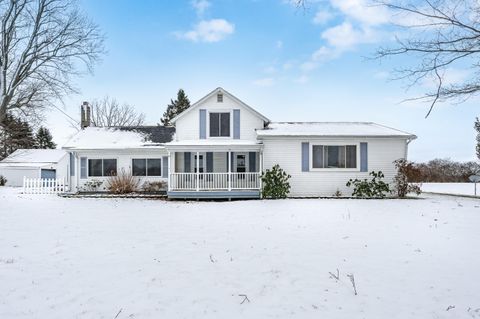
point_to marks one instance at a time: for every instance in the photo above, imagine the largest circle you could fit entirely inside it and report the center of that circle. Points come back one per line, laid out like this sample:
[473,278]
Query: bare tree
[43,45]
[441,34]
[109,112]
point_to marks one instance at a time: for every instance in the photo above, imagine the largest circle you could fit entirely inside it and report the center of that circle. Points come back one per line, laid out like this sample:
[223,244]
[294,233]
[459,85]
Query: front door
[241,163]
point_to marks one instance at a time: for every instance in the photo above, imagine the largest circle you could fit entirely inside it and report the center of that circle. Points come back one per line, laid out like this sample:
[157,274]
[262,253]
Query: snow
[212,142]
[106,138]
[94,258]
[34,157]
[451,188]
[330,129]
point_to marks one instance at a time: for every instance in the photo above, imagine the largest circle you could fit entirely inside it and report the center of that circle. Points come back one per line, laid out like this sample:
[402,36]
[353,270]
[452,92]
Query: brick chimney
[85,115]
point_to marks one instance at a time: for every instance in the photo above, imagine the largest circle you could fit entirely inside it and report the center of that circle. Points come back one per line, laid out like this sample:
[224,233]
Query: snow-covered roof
[331,129]
[33,157]
[221,144]
[120,137]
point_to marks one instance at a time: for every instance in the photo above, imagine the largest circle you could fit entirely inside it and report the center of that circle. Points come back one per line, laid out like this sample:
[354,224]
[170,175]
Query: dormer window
[219,124]
[220,98]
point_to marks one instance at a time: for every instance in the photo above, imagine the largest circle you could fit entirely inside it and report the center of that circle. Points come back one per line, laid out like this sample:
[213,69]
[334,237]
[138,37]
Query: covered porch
[214,171]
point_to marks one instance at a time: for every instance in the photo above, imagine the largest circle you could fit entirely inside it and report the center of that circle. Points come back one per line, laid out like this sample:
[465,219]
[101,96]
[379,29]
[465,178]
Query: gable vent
[219,97]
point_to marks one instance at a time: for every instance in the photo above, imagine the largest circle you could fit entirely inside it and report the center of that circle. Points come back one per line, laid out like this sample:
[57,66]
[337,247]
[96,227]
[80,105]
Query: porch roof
[214,145]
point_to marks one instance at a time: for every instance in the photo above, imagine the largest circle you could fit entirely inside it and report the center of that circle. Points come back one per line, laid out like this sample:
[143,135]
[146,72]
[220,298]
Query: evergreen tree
[15,134]
[43,139]
[175,107]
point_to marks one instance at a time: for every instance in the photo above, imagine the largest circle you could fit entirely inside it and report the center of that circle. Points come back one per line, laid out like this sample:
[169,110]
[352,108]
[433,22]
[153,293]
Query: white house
[34,163]
[220,146]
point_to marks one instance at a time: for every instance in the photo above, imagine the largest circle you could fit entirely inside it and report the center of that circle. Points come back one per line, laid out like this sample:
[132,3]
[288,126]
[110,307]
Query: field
[130,258]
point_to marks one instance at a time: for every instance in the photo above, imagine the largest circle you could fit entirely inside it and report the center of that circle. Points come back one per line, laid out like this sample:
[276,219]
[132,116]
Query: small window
[147,167]
[102,167]
[220,98]
[219,124]
[334,156]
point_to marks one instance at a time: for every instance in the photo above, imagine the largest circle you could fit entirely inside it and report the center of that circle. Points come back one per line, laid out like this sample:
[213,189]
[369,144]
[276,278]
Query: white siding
[124,162]
[187,127]
[287,153]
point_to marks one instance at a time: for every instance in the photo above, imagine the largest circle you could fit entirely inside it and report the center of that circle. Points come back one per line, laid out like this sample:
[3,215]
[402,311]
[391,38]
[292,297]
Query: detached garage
[34,163]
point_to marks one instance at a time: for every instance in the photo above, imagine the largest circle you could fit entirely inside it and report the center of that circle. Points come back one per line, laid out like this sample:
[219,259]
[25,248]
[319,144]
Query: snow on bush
[3,180]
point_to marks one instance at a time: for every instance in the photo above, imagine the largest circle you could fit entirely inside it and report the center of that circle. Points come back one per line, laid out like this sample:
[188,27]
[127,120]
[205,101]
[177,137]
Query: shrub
[338,193]
[401,186]
[154,186]
[92,185]
[3,180]
[374,188]
[123,183]
[275,183]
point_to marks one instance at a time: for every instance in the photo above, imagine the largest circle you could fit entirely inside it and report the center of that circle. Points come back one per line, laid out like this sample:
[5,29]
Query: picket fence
[44,185]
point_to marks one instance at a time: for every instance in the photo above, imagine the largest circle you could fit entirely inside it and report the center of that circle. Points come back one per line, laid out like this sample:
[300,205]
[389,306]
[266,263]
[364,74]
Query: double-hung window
[146,167]
[219,124]
[334,156]
[102,167]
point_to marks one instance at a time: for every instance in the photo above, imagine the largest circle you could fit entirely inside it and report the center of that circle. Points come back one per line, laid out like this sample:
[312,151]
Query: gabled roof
[224,92]
[331,129]
[34,156]
[120,137]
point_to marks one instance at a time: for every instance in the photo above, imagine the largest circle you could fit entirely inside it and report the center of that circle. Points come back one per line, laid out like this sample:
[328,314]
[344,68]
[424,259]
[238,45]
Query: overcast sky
[289,64]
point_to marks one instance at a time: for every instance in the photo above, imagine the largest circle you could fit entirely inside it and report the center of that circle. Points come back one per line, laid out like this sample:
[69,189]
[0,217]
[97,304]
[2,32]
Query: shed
[34,163]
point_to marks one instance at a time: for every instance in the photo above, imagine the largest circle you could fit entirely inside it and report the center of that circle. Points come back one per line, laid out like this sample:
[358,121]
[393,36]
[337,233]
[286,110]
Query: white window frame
[231,124]
[357,169]
[146,168]
[99,158]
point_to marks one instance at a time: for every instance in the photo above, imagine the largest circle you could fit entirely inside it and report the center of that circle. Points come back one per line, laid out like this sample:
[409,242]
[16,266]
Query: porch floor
[236,194]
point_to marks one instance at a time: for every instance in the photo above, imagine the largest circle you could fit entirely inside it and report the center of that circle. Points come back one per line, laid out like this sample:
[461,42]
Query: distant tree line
[442,171]
[17,133]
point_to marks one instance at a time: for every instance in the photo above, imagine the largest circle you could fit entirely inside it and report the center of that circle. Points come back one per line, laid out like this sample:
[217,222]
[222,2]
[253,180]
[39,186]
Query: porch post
[260,167]
[169,179]
[229,170]
[198,171]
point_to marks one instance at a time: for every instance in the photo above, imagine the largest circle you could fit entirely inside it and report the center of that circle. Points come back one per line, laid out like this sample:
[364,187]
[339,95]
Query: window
[102,167]
[334,156]
[147,167]
[220,98]
[219,124]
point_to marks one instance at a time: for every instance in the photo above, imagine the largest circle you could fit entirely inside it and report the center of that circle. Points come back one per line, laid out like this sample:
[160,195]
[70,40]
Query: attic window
[220,98]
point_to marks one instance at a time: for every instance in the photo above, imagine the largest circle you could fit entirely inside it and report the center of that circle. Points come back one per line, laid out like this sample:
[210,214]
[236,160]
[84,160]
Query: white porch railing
[44,186]
[214,181]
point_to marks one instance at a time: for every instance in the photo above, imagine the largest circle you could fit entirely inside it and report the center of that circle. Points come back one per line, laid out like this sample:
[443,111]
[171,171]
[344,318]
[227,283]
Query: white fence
[214,181]
[44,186]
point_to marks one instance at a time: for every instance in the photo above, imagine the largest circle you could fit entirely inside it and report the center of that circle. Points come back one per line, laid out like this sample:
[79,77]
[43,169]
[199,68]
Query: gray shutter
[165,166]
[187,158]
[83,167]
[231,163]
[236,124]
[305,157]
[363,157]
[203,124]
[72,164]
[209,159]
[252,161]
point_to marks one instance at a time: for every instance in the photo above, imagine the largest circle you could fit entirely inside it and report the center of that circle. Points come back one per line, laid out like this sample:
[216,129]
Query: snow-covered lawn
[99,258]
[451,188]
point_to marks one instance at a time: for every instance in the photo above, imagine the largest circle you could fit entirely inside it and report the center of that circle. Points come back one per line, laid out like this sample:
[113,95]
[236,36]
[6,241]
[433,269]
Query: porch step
[213,194]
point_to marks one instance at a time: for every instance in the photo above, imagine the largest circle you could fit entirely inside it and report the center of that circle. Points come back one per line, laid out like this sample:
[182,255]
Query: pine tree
[175,107]
[15,134]
[43,139]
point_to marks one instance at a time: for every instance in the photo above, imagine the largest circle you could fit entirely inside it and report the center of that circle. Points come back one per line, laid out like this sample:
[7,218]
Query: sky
[290,64]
